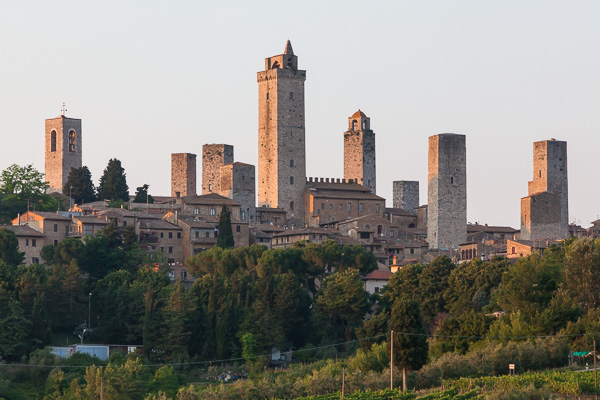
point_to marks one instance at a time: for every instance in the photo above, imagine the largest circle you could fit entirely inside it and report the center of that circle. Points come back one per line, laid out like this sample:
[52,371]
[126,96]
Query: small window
[178,235]
[35,260]
[451,179]
[340,206]
[53,141]
[291,180]
[292,163]
[412,251]
[540,173]
[170,249]
[213,211]
[170,235]
[55,242]
[196,211]
[377,208]
[210,187]
[55,227]
[162,234]
[376,289]
[391,233]
[349,207]
[124,223]
[238,229]
[360,207]
[322,206]
[71,141]
[162,249]
[184,275]
[207,234]
[267,95]
[514,250]
[34,242]
[196,234]
[354,125]
[291,205]
[331,206]
[291,95]
[27,242]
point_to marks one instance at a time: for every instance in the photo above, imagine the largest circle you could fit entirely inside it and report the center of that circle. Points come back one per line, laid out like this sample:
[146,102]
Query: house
[54,227]
[209,205]
[160,236]
[376,280]
[30,242]
[287,238]
[524,248]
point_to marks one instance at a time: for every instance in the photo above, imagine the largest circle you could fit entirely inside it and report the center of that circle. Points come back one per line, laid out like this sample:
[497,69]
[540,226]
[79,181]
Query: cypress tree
[79,185]
[113,183]
[225,238]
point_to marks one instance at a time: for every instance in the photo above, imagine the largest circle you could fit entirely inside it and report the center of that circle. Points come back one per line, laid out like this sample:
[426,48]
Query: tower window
[267,95]
[451,179]
[289,63]
[291,95]
[53,141]
[360,207]
[349,207]
[210,187]
[353,124]
[71,141]
[291,205]
[540,173]
[291,180]
[292,163]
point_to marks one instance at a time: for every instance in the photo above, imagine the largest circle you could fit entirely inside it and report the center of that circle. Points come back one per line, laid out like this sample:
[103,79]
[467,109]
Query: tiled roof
[158,224]
[22,230]
[50,215]
[91,220]
[209,199]
[378,275]
[399,211]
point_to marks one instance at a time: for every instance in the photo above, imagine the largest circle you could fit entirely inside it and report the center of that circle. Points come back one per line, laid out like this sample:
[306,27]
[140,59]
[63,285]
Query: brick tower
[447,191]
[545,212]
[183,174]
[359,151]
[281,141]
[63,150]
[214,156]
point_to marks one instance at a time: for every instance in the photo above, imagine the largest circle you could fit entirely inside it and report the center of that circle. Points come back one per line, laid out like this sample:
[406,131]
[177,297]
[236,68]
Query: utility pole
[392,361]
[343,380]
[595,372]
[90,311]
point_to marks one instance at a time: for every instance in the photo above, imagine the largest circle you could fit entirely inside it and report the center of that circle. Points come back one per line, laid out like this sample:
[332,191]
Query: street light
[90,310]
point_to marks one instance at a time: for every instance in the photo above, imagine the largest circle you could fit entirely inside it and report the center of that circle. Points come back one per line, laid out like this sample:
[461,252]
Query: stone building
[209,204]
[183,174]
[63,150]
[281,135]
[159,236]
[238,183]
[327,200]
[447,191]
[30,242]
[359,151]
[54,227]
[214,156]
[406,195]
[545,211]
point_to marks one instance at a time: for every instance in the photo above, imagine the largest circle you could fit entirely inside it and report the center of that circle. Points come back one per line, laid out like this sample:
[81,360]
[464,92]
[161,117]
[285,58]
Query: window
[319,212]
[196,234]
[170,249]
[331,206]
[184,275]
[376,289]
[391,233]
[267,95]
[377,208]
[162,234]
[237,228]
[412,251]
[291,205]
[322,206]
[27,242]
[243,215]
[291,180]
[178,235]
[514,250]
[340,206]
[292,163]
[53,141]
[35,260]
[540,173]
[360,207]
[33,242]
[124,223]
[170,235]
[213,212]
[364,235]
[55,227]
[207,234]
[349,207]
[196,211]
[451,179]
[162,249]
[71,141]
[354,125]
[210,187]
[291,95]
[171,275]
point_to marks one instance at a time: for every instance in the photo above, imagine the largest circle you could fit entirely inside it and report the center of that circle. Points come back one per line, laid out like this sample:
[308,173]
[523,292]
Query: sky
[152,78]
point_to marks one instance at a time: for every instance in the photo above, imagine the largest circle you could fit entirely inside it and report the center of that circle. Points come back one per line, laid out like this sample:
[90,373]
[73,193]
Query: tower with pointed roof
[281,136]
[359,151]
[63,150]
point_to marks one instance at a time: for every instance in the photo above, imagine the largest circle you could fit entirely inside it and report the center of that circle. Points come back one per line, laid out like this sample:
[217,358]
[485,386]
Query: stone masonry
[238,183]
[281,135]
[183,174]
[406,195]
[447,191]
[63,150]
[359,151]
[214,156]
[542,215]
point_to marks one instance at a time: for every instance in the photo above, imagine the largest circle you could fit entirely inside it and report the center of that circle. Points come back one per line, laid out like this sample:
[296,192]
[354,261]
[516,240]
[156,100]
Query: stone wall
[540,217]
[238,183]
[447,191]
[406,195]
[68,152]
[183,174]
[214,156]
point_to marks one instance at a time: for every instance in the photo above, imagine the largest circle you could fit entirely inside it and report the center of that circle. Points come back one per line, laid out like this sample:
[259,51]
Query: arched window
[291,205]
[354,124]
[275,65]
[292,163]
[72,141]
[291,180]
[53,141]
[289,63]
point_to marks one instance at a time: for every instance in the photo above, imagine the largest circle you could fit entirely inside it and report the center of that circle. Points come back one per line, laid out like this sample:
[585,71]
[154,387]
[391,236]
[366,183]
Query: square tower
[447,191]
[406,195]
[239,184]
[213,157]
[183,174]
[549,177]
[63,150]
[359,151]
[281,136]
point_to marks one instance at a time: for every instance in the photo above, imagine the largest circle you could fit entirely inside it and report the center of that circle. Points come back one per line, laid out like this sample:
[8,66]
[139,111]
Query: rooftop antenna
[64,109]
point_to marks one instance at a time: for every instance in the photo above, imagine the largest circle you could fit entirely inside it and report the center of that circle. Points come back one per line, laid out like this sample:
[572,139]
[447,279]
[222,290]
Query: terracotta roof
[378,275]
[49,215]
[359,114]
[91,220]
[22,230]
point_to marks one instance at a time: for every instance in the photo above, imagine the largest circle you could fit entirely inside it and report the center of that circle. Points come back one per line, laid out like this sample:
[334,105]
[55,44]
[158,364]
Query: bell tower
[63,150]
[359,151]
[281,136]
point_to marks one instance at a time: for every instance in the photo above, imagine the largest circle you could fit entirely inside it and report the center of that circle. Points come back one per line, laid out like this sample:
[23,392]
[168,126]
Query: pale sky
[152,78]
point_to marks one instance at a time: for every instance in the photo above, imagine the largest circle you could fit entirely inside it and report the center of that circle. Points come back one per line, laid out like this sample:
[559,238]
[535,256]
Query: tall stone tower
[239,184]
[63,150]
[447,191]
[406,195]
[359,151]
[214,156]
[183,174]
[281,137]
[545,212]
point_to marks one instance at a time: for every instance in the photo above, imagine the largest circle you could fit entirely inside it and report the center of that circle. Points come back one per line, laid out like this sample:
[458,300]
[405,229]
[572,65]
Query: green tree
[249,347]
[14,327]
[9,248]
[410,340]
[113,183]
[21,187]
[79,185]
[344,300]
[225,238]
[142,196]
[178,311]
[582,272]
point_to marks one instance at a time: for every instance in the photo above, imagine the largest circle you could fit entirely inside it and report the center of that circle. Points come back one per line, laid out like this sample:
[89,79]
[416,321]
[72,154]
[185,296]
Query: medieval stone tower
[239,184]
[214,156]
[406,195]
[359,151]
[281,137]
[63,150]
[447,191]
[545,212]
[183,174]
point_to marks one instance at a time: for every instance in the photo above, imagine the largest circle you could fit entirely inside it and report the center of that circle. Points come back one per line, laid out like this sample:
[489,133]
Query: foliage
[9,248]
[142,196]
[225,238]
[79,185]
[410,341]
[113,183]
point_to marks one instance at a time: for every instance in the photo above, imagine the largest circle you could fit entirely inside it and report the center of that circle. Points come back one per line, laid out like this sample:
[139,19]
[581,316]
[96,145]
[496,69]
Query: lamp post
[90,311]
